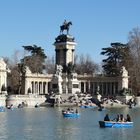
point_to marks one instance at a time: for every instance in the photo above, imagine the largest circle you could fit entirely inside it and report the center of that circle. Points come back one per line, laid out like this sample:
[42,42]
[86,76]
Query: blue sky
[96,23]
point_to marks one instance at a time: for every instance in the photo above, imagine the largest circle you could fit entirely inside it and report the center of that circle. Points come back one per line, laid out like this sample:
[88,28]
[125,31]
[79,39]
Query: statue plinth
[64,38]
[73,83]
[57,80]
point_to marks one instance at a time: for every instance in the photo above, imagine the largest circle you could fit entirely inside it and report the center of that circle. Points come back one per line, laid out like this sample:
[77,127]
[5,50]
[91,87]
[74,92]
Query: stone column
[93,87]
[41,87]
[46,88]
[32,87]
[110,84]
[72,56]
[106,88]
[89,87]
[80,86]
[65,59]
[57,56]
[84,86]
[102,88]
[113,88]
[26,86]
[36,87]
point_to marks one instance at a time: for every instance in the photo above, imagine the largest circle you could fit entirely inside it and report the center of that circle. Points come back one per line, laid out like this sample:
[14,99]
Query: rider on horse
[65,23]
[65,26]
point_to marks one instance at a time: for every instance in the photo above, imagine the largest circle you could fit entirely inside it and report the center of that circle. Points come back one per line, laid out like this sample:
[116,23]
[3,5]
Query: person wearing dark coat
[106,118]
[128,118]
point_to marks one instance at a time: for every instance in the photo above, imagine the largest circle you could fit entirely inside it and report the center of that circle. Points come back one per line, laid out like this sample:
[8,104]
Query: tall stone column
[65,59]
[80,86]
[26,86]
[46,88]
[73,56]
[84,86]
[106,88]
[89,87]
[57,56]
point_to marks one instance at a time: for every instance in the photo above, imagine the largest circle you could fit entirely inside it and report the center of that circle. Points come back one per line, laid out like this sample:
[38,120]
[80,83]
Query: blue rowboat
[71,115]
[87,106]
[82,106]
[115,124]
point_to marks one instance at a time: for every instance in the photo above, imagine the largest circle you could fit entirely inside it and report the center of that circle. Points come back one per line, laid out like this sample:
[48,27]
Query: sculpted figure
[124,72]
[65,26]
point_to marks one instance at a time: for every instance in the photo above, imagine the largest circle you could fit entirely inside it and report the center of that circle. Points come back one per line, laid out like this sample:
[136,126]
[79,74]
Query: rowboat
[115,124]
[87,106]
[71,115]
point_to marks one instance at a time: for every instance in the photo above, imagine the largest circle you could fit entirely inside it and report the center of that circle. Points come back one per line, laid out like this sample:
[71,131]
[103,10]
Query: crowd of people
[118,118]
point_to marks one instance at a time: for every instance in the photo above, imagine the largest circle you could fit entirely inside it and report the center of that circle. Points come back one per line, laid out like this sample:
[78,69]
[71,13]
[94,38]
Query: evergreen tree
[35,61]
[116,55]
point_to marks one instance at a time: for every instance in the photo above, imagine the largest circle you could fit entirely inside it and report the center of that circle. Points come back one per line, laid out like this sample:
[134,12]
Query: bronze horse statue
[66,27]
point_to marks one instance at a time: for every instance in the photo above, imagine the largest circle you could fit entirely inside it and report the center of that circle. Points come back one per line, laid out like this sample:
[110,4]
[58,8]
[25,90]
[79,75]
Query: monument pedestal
[57,80]
[73,83]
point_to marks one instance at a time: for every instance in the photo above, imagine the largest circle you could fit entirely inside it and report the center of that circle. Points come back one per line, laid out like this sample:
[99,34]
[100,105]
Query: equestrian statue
[65,26]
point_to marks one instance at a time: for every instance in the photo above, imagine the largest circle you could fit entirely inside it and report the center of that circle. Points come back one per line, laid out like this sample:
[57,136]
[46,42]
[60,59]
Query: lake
[49,124]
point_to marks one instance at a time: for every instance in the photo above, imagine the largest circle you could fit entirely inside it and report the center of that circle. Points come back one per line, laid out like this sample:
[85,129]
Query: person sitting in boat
[128,118]
[106,118]
[121,118]
[71,110]
[76,111]
[118,118]
[68,110]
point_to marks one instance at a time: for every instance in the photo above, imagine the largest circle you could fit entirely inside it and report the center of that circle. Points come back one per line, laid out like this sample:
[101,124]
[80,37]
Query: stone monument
[124,74]
[64,48]
[73,83]
[57,80]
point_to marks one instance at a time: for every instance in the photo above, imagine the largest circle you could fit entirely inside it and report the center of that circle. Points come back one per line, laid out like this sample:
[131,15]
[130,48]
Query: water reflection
[3,125]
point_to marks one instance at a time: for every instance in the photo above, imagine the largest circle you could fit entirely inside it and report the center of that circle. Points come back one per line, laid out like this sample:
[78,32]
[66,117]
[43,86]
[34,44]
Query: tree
[14,75]
[116,58]
[85,65]
[134,69]
[50,65]
[35,61]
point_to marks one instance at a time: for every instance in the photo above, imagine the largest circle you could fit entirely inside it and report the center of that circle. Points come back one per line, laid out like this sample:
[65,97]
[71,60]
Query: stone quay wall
[2,100]
[29,100]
